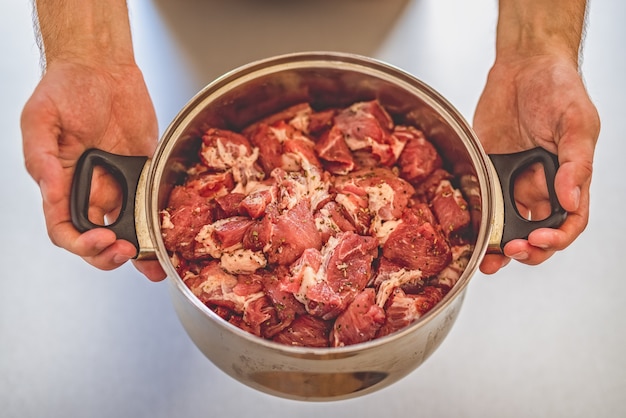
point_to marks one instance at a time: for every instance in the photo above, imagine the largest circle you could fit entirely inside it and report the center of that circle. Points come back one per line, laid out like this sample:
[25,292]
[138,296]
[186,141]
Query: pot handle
[508,167]
[126,170]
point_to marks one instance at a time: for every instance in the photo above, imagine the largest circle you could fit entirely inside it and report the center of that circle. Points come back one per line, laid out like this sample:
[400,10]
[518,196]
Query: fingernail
[522,255]
[43,188]
[576,196]
[120,259]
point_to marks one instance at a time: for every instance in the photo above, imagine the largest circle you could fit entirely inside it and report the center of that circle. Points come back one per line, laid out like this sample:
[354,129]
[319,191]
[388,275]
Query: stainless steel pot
[322,79]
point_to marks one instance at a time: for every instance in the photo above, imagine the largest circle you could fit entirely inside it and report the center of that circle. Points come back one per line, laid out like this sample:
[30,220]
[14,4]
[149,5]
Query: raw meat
[319,228]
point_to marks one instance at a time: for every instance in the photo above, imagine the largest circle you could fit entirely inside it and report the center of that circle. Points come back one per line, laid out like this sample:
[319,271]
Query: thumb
[574,174]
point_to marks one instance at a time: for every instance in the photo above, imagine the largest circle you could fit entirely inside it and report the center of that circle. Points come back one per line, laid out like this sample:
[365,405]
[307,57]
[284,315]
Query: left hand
[541,101]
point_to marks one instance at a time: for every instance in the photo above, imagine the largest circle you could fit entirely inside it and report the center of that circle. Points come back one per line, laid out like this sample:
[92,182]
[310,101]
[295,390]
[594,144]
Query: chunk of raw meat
[450,208]
[270,148]
[359,322]
[214,287]
[415,244]
[425,191]
[387,194]
[242,261]
[390,276]
[229,205]
[287,308]
[211,185]
[305,331]
[330,221]
[224,150]
[450,275]
[292,232]
[255,204]
[185,216]
[294,187]
[334,151]
[299,113]
[345,267]
[419,157]
[222,236]
[367,125]
[258,235]
[402,309]
[283,146]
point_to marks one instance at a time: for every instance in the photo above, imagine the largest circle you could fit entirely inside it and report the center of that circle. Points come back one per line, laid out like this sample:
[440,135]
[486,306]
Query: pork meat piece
[450,275]
[293,187]
[186,214]
[330,221]
[286,307]
[304,269]
[390,276]
[298,150]
[333,150]
[258,314]
[305,331]
[320,121]
[292,232]
[368,126]
[224,150]
[359,322]
[344,271]
[426,190]
[214,287]
[211,185]
[415,244]
[270,148]
[283,146]
[419,158]
[255,204]
[221,149]
[386,196]
[221,236]
[258,235]
[403,309]
[450,208]
[354,204]
[301,116]
[297,115]
[229,205]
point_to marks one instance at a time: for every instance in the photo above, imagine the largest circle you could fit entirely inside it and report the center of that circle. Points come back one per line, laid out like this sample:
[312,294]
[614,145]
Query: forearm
[90,30]
[531,27]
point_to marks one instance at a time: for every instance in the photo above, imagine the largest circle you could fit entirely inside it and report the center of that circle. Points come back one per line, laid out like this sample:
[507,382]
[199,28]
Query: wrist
[531,28]
[85,31]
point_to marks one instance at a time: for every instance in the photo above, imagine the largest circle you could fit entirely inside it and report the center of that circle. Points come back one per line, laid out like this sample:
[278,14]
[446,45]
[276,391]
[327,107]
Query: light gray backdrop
[546,341]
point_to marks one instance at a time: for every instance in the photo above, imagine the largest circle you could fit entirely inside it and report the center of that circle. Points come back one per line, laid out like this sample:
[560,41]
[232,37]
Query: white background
[545,341]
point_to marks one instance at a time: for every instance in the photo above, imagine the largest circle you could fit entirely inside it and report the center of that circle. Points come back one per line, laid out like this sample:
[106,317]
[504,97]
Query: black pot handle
[508,166]
[126,170]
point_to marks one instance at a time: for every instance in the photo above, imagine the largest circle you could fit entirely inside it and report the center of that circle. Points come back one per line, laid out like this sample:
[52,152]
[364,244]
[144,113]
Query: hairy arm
[531,27]
[83,29]
[535,96]
[91,95]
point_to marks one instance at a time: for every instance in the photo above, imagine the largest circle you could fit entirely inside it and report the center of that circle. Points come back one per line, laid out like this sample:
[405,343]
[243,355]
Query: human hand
[76,106]
[541,101]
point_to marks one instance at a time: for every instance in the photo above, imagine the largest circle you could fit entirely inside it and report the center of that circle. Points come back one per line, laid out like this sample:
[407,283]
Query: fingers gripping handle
[508,167]
[126,170]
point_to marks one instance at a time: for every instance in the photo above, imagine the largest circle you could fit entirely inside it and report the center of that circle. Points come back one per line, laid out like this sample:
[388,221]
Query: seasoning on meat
[319,228]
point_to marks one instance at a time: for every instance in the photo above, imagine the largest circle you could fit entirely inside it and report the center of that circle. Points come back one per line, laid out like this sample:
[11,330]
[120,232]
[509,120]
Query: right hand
[532,101]
[76,106]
